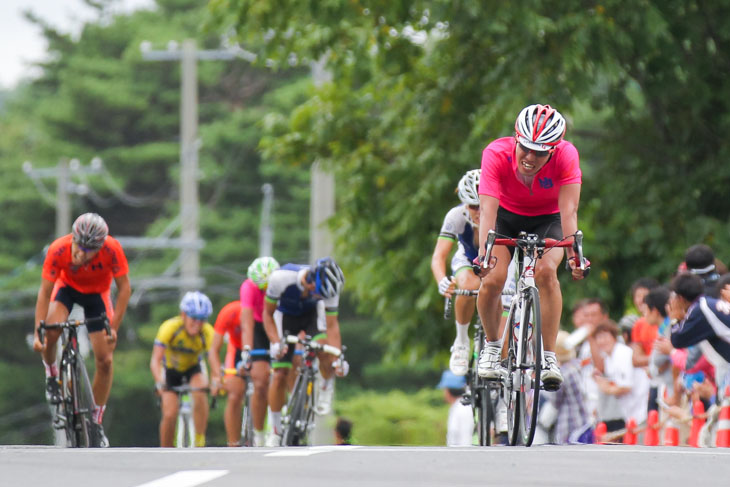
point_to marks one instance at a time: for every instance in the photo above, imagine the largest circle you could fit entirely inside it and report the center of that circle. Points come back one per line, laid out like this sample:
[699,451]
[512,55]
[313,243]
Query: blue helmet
[328,278]
[196,305]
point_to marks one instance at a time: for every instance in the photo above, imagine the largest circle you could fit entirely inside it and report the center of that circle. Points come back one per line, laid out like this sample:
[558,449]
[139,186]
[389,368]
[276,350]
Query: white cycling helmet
[539,127]
[468,188]
[89,231]
[196,305]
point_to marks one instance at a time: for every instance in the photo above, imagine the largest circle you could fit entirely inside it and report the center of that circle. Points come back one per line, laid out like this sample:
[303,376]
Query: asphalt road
[589,465]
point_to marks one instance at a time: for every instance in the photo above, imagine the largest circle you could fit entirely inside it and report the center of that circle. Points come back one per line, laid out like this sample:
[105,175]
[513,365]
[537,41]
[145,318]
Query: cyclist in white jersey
[459,227]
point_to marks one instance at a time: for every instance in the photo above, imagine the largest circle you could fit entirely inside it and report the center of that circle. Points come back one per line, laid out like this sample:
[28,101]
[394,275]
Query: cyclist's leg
[94,305]
[58,310]
[169,405]
[463,312]
[200,404]
[260,374]
[282,368]
[489,303]
[235,389]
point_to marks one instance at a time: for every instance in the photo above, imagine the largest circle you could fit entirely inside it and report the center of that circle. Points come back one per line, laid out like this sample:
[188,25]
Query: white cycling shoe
[550,375]
[490,363]
[459,361]
[272,439]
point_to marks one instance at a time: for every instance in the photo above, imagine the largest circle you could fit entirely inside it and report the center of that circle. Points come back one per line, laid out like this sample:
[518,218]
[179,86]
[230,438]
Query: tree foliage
[419,88]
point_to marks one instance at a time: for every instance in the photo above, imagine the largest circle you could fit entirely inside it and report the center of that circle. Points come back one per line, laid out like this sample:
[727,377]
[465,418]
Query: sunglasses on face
[473,207]
[538,153]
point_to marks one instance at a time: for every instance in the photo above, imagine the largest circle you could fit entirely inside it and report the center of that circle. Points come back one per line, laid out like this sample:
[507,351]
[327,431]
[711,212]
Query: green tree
[419,88]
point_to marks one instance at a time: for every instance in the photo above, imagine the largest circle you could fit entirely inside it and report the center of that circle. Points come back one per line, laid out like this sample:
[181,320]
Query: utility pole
[266,233]
[189,144]
[63,172]
[322,200]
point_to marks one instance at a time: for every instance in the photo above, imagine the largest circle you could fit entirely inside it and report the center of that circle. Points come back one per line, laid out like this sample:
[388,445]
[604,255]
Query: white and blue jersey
[285,288]
[457,227]
[707,323]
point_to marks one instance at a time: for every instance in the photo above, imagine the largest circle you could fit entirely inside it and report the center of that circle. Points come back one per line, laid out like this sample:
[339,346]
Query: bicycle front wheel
[530,367]
[247,424]
[485,415]
[295,426]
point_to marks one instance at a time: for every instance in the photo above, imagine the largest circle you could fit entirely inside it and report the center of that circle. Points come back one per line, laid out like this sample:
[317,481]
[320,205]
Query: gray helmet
[89,231]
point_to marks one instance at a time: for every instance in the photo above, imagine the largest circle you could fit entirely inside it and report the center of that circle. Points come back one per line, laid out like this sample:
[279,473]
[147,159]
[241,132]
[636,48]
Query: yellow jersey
[183,351]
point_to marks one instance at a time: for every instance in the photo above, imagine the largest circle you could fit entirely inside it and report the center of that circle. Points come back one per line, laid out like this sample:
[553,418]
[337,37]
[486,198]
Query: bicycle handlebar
[73,324]
[316,346]
[457,292]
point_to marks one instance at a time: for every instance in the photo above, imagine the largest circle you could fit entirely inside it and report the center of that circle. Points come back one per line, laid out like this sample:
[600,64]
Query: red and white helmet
[539,127]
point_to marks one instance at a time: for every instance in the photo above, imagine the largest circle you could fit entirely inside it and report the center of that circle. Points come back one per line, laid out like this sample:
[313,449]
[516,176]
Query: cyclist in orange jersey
[79,268]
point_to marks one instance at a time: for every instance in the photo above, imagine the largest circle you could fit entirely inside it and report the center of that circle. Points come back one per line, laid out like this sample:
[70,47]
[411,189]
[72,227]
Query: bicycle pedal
[466,400]
[551,386]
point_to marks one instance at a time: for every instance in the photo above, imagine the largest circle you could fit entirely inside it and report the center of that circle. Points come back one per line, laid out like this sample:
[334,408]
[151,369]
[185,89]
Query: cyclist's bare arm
[488,206]
[158,373]
[333,331]
[247,325]
[269,324]
[124,291]
[41,309]
[568,201]
[214,360]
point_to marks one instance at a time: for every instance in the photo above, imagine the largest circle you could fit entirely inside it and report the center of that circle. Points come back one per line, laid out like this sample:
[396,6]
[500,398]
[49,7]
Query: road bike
[185,426]
[520,373]
[243,373]
[298,420]
[74,412]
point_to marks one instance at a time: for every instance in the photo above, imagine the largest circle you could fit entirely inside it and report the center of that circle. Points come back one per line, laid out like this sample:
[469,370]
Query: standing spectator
[613,373]
[660,365]
[723,287]
[568,403]
[343,431]
[587,313]
[700,261]
[460,425]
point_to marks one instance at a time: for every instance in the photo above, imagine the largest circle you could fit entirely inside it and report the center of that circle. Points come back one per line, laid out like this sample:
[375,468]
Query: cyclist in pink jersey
[251,336]
[530,182]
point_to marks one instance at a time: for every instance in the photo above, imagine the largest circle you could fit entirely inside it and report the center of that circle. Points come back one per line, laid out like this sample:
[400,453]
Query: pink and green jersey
[499,178]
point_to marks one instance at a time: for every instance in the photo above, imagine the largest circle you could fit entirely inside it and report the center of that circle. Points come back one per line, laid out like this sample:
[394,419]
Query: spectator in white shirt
[460,426]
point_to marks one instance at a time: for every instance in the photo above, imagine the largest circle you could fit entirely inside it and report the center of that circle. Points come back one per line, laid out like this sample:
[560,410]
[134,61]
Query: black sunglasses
[538,153]
[473,207]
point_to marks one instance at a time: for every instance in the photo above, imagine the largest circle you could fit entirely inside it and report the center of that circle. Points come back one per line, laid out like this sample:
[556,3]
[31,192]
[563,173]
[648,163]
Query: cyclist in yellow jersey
[177,357]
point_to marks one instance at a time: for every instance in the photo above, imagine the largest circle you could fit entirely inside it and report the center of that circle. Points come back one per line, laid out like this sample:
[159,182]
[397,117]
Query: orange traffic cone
[698,420]
[630,435]
[671,434]
[600,432]
[651,437]
[723,425]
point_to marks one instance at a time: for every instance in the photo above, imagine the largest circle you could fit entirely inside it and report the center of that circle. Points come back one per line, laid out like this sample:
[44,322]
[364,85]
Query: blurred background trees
[418,89]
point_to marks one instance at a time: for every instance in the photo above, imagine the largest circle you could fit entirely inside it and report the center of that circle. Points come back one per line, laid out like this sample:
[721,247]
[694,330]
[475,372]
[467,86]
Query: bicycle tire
[247,416]
[66,406]
[485,416]
[294,411]
[185,429]
[86,405]
[529,391]
[509,390]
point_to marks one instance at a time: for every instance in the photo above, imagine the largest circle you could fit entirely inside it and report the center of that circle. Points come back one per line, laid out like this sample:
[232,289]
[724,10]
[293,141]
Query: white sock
[275,420]
[494,344]
[550,354]
[462,333]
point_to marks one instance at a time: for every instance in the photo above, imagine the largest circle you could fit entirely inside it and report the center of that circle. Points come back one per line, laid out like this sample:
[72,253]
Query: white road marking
[186,478]
[313,450]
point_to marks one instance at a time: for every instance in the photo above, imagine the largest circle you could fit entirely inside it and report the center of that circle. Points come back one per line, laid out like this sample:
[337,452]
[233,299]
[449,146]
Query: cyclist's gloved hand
[342,368]
[244,365]
[477,265]
[445,286]
[276,350]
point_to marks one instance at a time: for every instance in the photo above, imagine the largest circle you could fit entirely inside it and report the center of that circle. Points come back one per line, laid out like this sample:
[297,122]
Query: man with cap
[460,426]
[700,260]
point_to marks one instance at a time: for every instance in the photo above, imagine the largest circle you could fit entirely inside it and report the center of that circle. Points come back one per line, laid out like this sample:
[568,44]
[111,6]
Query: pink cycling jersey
[499,178]
[252,297]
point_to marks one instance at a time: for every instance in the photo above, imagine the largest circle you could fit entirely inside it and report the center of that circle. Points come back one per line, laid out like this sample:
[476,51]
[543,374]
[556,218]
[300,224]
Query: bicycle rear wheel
[531,366]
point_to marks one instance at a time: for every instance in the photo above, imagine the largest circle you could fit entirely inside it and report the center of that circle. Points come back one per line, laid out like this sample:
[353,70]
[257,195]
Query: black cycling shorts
[292,325]
[511,224]
[260,342]
[175,378]
[93,304]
